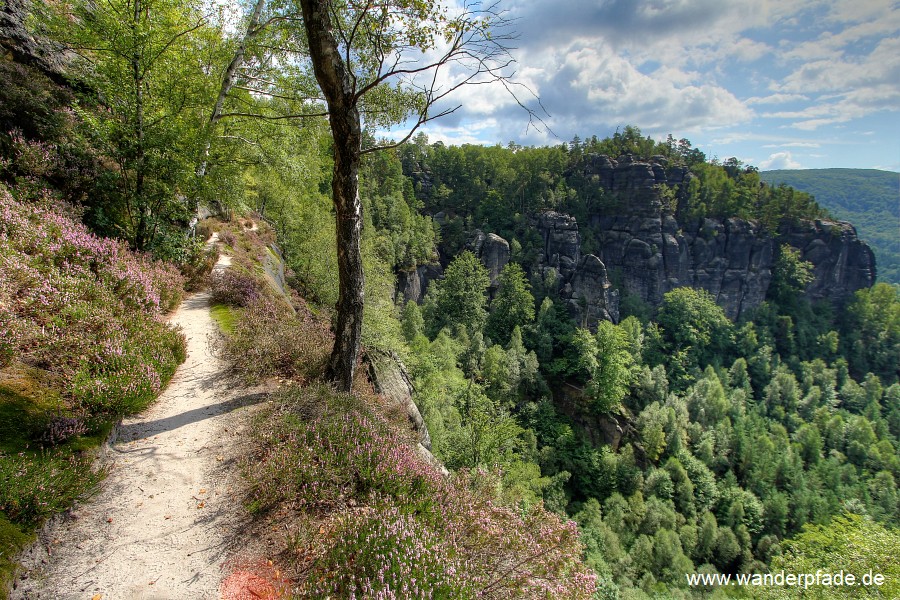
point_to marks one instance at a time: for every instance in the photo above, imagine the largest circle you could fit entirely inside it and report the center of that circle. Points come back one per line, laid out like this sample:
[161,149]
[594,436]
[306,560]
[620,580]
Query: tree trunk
[228,82]
[141,234]
[335,81]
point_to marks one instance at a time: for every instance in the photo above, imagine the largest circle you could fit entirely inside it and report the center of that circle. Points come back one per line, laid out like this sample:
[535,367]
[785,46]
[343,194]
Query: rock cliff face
[644,250]
[390,379]
[651,252]
[412,285]
[582,281]
[654,255]
[841,262]
[493,251]
[19,44]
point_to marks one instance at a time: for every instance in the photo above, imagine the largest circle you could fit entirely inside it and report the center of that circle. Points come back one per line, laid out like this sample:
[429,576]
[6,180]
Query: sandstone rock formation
[492,250]
[412,285]
[389,376]
[582,281]
[20,44]
[842,263]
[643,249]
[649,252]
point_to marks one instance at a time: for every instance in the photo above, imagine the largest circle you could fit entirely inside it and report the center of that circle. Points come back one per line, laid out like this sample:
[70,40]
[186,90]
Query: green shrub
[35,485]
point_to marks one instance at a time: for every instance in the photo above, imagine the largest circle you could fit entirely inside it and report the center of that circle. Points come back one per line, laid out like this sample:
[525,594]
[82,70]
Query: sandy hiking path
[166,517]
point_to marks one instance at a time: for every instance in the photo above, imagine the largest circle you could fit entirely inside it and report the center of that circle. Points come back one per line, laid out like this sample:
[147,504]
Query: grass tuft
[225,317]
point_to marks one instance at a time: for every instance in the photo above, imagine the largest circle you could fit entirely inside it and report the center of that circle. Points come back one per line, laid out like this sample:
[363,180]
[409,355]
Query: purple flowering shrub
[247,238]
[269,339]
[85,308]
[400,558]
[235,287]
[392,526]
[61,428]
[228,238]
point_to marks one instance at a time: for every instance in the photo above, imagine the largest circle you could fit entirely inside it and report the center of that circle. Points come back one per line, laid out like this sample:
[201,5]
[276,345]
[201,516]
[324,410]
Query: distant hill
[868,198]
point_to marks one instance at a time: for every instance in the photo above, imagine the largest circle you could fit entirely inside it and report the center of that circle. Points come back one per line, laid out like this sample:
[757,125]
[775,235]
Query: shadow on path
[146,429]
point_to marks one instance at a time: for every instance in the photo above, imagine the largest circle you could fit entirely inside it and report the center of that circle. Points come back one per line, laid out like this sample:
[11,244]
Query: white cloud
[695,67]
[776,99]
[847,73]
[595,84]
[779,160]
[853,11]
[794,145]
[748,50]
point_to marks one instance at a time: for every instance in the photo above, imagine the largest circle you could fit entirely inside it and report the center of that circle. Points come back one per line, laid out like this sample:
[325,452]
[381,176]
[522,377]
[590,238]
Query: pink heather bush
[85,308]
[270,340]
[235,288]
[394,555]
[395,527]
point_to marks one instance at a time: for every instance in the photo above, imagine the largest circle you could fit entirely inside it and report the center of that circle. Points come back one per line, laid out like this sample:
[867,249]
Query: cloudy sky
[778,84]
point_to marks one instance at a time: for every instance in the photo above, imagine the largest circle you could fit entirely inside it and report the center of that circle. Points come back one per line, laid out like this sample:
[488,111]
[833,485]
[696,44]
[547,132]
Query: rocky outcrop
[643,249]
[562,244]
[653,255]
[412,285]
[649,252]
[21,45]
[493,251]
[635,184]
[590,294]
[274,268]
[606,429]
[390,379]
[582,281]
[842,263]
[494,255]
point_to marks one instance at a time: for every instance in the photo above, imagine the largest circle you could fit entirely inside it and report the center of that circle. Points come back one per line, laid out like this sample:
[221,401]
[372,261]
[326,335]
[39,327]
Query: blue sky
[781,84]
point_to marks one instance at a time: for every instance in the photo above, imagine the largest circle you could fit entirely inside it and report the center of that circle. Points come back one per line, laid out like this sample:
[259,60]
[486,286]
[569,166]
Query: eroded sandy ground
[167,516]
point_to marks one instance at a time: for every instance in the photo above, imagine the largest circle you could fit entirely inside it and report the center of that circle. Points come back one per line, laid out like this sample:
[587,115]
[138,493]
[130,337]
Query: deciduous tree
[380,61]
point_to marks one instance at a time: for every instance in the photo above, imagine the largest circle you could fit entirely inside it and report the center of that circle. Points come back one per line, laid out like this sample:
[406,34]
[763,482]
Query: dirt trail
[166,517]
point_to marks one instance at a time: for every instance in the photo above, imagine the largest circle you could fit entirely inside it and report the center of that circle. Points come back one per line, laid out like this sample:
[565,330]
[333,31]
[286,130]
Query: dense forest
[733,435]
[679,440]
[865,197]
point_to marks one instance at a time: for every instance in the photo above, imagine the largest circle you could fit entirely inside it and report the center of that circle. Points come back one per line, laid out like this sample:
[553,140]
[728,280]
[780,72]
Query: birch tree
[142,57]
[382,63]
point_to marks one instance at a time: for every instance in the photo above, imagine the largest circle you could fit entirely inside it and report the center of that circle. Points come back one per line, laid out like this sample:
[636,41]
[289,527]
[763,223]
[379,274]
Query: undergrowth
[390,525]
[269,333]
[85,309]
[365,516]
[83,341]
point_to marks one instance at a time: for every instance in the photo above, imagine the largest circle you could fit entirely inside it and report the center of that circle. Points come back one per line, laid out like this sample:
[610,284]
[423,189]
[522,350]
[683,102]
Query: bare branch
[239,138]
[273,117]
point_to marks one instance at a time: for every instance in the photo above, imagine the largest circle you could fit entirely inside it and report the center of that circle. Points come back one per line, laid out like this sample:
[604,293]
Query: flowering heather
[269,339]
[85,308]
[393,526]
[394,556]
[45,483]
[235,288]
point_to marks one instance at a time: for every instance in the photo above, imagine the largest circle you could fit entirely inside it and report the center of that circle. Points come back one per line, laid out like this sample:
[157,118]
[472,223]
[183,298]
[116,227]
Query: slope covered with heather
[83,341]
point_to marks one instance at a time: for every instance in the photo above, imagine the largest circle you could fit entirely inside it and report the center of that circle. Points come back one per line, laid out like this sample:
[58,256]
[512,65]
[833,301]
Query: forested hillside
[868,198]
[635,363]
